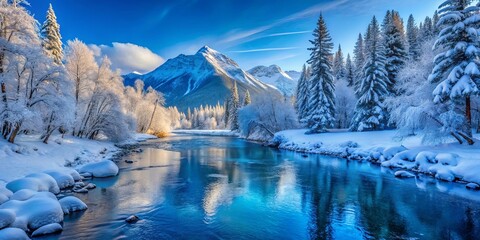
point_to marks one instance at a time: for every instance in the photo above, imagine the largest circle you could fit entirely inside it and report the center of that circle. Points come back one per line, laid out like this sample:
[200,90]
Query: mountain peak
[206,49]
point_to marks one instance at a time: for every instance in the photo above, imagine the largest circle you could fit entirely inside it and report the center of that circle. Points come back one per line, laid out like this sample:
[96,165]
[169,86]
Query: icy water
[199,187]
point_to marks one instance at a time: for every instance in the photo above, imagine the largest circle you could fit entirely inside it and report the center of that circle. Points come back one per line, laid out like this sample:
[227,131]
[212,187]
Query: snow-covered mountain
[203,78]
[276,77]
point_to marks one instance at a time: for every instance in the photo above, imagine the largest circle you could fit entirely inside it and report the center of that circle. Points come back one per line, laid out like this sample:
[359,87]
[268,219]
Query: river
[204,187]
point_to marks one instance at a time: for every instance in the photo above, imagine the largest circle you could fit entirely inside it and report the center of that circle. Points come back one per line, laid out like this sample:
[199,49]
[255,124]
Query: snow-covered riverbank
[449,161]
[206,132]
[36,177]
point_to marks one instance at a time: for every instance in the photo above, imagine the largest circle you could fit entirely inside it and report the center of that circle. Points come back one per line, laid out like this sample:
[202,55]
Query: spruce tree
[395,46]
[349,71]
[234,105]
[247,100]
[302,94]
[51,38]
[359,60]
[412,39]
[457,68]
[339,64]
[321,102]
[370,111]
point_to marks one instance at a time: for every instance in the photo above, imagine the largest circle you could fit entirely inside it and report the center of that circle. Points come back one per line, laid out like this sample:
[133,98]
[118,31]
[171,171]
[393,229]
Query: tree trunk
[15,131]
[468,116]
[153,114]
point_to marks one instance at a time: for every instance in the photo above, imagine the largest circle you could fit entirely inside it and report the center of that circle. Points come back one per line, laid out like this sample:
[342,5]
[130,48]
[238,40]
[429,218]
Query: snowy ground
[30,155]
[449,162]
[206,132]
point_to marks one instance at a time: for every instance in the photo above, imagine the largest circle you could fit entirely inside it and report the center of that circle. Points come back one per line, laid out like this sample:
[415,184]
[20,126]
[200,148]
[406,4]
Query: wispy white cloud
[265,49]
[287,33]
[129,57]
[236,35]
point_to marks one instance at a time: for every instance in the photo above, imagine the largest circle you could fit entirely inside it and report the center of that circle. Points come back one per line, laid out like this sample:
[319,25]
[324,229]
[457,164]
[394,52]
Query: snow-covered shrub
[261,119]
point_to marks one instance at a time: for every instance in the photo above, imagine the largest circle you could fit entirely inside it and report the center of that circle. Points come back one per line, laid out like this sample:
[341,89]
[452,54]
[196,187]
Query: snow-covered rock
[132,219]
[390,152]
[447,159]
[72,204]
[5,194]
[445,174]
[473,186]
[404,174]
[22,195]
[41,209]
[105,168]
[90,186]
[13,234]
[48,182]
[7,217]
[64,179]
[47,229]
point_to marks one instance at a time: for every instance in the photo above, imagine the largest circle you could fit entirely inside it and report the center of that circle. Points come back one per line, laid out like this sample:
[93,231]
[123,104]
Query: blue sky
[139,35]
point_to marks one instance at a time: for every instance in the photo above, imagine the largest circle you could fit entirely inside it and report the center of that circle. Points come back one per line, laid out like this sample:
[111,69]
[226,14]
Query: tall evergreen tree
[359,60]
[321,102]
[435,19]
[427,30]
[247,100]
[395,46]
[349,71]
[233,108]
[339,64]
[412,38]
[370,111]
[457,68]
[302,94]
[51,38]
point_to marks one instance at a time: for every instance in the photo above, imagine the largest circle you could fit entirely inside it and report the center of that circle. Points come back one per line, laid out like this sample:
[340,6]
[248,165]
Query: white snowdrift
[72,204]
[448,162]
[13,234]
[104,168]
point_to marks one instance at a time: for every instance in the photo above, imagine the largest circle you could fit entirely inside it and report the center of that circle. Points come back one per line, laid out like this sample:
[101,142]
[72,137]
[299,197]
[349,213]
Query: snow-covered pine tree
[247,100]
[359,60]
[51,38]
[321,102]
[395,46]
[339,64]
[349,71]
[370,111]
[457,68]
[234,105]
[412,39]
[302,93]
[427,30]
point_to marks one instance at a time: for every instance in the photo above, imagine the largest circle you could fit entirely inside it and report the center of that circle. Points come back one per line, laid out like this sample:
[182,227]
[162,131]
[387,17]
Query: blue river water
[203,187]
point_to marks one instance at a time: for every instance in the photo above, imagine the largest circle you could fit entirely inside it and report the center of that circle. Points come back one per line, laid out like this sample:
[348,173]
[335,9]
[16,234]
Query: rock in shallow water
[129,161]
[132,219]
[105,168]
[404,174]
[47,229]
[473,186]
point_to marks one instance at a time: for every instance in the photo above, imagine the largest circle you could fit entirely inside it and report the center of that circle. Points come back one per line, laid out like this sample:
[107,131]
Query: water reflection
[225,188]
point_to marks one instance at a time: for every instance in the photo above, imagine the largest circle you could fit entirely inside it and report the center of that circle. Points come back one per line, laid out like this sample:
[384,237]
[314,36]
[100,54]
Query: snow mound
[22,195]
[5,194]
[41,209]
[105,168]
[63,179]
[404,174]
[447,159]
[72,204]
[389,153]
[25,183]
[7,217]
[407,155]
[76,176]
[47,229]
[445,174]
[473,186]
[425,157]
[48,182]
[13,234]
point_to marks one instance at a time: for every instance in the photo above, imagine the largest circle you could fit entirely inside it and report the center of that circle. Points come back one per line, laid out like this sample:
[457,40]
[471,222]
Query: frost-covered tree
[456,70]
[395,46]
[359,60]
[370,111]
[51,38]
[321,102]
[349,71]
[266,116]
[426,32]
[247,99]
[339,64]
[412,38]
[345,100]
[234,106]
[81,67]
[302,94]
